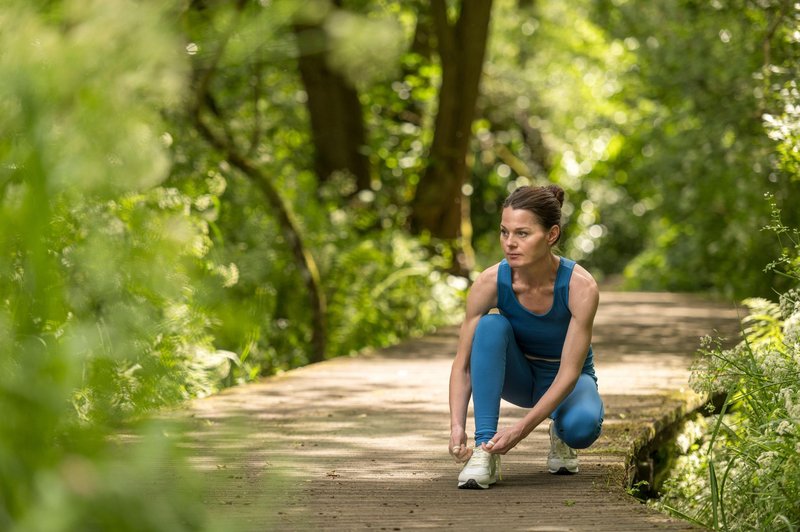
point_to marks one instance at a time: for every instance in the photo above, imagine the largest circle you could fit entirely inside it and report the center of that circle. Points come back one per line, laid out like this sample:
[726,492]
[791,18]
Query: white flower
[765,461]
[784,427]
[791,403]
[683,443]
[791,329]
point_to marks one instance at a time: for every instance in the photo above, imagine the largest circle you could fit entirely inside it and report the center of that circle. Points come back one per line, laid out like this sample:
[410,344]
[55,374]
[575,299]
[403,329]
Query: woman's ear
[553,234]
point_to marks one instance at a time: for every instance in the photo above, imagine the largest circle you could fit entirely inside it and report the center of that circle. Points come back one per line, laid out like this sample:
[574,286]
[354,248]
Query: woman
[536,353]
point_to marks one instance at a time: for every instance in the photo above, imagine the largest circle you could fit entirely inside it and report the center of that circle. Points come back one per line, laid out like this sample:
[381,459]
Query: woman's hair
[544,202]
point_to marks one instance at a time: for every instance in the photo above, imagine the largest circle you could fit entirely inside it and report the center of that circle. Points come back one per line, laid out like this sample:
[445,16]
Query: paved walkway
[361,442]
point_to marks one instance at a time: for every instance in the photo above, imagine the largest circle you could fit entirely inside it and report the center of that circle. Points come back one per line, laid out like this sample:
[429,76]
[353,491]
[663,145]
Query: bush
[744,471]
[97,263]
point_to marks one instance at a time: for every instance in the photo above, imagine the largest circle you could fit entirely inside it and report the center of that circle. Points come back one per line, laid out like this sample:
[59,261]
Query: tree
[212,124]
[336,117]
[438,206]
[696,159]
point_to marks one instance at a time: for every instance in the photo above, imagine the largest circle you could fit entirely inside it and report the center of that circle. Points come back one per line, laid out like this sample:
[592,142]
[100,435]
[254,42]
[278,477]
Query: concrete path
[361,442]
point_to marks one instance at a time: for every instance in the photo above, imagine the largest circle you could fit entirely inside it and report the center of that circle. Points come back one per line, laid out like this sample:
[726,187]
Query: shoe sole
[473,484]
[562,471]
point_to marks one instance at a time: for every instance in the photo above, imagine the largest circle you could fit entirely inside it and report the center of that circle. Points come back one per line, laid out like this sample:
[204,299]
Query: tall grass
[742,467]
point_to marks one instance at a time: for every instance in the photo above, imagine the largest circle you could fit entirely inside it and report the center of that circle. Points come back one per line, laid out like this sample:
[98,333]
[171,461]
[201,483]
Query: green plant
[744,469]
[99,324]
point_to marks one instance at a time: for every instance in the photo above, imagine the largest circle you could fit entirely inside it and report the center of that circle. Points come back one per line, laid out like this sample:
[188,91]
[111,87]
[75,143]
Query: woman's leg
[579,418]
[498,369]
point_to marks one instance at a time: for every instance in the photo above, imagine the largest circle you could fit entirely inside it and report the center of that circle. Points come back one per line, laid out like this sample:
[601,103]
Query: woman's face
[524,239]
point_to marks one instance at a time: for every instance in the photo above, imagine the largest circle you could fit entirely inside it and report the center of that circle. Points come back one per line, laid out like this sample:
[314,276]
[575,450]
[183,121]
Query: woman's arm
[583,301]
[481,299]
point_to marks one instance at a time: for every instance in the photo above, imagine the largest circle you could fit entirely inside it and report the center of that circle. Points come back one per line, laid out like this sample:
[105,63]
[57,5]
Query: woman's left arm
[583,300]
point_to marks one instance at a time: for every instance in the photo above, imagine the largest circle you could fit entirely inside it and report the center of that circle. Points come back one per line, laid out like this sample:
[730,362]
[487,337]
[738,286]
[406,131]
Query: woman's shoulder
[584,295]
[488,276]
[483,292]
[582,280]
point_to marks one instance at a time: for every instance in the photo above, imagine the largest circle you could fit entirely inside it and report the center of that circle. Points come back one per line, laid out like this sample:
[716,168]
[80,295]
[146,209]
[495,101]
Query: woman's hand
[458,445]
[505,439]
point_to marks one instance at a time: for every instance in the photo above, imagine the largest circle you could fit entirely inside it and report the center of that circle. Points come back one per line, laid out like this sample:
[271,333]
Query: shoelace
[482,458]
[499,468]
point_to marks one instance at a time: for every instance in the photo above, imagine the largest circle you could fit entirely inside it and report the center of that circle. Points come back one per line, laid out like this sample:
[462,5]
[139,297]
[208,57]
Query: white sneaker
[562,459]
[481,471]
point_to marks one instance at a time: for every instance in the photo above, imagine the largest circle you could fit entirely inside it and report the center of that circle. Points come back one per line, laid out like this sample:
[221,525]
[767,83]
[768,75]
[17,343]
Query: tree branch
[303,258]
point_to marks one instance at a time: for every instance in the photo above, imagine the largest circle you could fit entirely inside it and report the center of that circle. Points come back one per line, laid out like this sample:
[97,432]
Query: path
[361,442]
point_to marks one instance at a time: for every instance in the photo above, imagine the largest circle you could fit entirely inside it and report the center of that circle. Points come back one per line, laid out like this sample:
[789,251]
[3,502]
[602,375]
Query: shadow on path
[361,442]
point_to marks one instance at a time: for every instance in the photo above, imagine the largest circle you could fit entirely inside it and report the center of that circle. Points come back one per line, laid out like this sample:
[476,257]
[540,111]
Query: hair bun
[558,192]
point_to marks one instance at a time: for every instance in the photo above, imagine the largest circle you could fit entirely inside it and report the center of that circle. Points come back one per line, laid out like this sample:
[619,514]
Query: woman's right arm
[481,299]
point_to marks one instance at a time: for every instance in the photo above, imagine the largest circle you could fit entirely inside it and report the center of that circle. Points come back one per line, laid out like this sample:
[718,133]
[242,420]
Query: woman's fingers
[460,452]
[501,443]
[493,446]
[458,446]
[455,451]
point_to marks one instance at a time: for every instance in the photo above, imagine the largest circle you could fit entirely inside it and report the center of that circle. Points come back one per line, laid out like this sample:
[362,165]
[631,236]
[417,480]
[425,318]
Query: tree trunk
[337,121]
[438,206]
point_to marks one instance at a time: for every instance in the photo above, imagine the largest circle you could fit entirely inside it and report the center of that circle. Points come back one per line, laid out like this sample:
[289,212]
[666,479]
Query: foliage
[551,111]
[573,105]
[356,239]
[696,162]
[98,321]
[576,105]
[744,475]
[382,275]
[743,469]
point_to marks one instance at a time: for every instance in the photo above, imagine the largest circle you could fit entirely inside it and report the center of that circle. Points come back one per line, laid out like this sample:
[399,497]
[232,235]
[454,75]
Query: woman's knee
[491,336]
[493,326]
[490,341]
[580,427]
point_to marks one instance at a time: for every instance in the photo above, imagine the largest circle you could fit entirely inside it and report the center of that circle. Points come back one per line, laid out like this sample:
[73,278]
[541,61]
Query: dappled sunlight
[671,321]
[658,374]
[657,332]
[203,196]
[366,437]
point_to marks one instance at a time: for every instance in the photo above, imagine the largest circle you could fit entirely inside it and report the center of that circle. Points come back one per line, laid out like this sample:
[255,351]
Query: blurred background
[194,194]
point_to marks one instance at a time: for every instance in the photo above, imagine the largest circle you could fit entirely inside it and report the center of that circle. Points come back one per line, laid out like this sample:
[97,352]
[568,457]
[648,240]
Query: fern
[764,324]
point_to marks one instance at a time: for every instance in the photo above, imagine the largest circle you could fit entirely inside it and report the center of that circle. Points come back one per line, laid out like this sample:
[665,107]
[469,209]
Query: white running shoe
[481,471]
[562,459]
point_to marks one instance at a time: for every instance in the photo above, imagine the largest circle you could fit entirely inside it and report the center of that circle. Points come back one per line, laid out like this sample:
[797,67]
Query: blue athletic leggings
[499,370]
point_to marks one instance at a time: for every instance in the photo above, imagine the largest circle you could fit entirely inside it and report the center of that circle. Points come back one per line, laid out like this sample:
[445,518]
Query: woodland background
[197,193]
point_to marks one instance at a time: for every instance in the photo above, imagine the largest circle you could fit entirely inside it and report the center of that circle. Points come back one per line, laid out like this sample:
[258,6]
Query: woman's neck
[540,273]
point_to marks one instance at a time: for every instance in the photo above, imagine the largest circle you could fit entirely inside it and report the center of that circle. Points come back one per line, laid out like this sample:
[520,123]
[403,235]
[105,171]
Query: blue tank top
[539,335]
